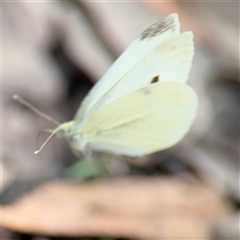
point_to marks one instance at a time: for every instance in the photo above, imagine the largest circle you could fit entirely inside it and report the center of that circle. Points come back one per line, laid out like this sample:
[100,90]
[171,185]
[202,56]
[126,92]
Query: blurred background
[54,52]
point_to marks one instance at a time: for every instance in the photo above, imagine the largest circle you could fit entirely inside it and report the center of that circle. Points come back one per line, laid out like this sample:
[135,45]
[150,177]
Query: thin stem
[34,109]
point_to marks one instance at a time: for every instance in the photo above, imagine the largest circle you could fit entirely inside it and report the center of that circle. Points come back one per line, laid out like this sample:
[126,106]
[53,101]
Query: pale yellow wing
[151,119]
[170,61]
[145,44]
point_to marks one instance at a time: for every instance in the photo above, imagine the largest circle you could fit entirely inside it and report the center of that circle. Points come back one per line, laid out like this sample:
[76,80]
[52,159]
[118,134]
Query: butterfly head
[66,130]
[70,131]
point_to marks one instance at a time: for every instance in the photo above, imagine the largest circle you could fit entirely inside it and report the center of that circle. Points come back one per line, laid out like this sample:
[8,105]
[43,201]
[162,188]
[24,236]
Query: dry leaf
[163,208]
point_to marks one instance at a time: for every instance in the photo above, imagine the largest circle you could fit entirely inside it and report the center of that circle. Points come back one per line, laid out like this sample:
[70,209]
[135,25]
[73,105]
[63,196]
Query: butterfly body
[142,104]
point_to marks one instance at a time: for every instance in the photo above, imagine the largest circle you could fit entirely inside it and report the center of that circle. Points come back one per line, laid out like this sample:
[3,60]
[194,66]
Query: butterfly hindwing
[148,120]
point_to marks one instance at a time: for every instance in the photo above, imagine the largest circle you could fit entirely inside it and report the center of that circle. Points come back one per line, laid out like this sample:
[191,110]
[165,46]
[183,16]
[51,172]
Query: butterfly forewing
[148,120]
[151,38]
[170,61]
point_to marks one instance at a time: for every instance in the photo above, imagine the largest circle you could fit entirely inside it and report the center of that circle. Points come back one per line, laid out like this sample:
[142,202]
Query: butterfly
[142,104]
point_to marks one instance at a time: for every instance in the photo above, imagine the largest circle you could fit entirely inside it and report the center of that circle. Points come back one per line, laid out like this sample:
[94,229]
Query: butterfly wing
[151,119]
[146,43]
[169,61]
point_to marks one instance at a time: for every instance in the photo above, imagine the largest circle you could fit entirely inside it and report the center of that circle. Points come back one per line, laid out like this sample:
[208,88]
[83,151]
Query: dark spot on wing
[166,24]
[99,133]
[155,79]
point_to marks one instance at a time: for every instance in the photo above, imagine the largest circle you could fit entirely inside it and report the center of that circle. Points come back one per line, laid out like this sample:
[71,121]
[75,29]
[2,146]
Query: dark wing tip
[171,22]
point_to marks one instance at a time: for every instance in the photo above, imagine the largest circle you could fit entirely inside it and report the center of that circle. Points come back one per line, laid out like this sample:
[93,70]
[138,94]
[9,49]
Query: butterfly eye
[155,79]
[76,138]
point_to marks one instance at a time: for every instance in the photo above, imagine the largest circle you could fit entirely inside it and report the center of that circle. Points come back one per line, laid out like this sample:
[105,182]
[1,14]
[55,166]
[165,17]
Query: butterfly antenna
[34,109]
[46,131]
[51,135]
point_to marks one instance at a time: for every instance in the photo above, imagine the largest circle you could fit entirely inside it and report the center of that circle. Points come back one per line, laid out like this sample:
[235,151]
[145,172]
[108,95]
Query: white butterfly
[142,104]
